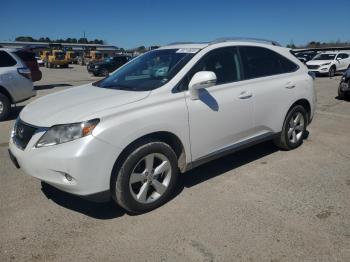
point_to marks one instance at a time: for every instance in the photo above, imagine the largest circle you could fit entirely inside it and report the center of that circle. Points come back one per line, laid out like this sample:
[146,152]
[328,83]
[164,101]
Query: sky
[133,23]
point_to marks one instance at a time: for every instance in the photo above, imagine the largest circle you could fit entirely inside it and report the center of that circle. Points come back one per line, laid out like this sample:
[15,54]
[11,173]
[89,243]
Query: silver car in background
[15,81]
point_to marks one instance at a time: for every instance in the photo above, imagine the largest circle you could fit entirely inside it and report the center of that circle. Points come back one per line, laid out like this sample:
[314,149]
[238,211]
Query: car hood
[76,104]
[318,62]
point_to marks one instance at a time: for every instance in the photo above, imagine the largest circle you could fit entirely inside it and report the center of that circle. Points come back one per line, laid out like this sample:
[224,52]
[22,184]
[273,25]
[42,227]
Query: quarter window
[6,60]
[260,62]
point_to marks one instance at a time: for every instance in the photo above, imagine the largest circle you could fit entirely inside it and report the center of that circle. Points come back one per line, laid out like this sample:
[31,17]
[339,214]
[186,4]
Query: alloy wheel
[150,178]
[1,107]
[296,127]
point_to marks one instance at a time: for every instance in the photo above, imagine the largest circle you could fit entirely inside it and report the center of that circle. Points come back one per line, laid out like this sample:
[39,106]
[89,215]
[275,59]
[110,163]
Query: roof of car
[233,40]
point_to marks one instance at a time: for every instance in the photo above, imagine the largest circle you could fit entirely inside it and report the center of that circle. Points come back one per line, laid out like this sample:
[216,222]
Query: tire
[5,107]
[133,184]
[331,71]
[293,132]
[342,94]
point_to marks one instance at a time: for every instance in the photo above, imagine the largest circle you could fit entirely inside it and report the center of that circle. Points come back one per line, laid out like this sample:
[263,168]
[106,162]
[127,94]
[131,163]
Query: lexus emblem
[20,132]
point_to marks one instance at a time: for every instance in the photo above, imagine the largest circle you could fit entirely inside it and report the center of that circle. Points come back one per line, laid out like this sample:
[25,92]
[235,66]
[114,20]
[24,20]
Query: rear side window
[6,60]
[260,62]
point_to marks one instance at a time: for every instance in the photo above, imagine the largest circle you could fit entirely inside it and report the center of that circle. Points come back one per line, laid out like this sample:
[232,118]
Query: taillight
[24,72]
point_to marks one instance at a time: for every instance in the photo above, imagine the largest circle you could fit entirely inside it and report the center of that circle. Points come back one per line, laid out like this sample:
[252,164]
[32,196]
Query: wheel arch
[304,103]
[5,92]
[164,136]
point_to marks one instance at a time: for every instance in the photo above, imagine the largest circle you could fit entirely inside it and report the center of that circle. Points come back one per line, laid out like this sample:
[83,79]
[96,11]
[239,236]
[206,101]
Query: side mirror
[339,58]
[200,80]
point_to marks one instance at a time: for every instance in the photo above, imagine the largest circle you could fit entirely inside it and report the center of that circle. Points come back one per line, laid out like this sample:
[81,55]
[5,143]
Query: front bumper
[88,161]
[321,70]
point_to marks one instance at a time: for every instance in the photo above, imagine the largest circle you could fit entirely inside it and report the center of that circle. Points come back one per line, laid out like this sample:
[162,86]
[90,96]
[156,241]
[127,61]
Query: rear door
[270,76]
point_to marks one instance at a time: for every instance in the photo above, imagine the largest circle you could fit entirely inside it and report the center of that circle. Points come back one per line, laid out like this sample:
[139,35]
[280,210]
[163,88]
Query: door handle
[290,85]
[245,95]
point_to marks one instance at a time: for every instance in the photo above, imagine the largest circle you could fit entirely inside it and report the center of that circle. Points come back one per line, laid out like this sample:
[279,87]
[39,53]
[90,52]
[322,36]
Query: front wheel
[331,71]
[293,130]
[343,94]
[146,178]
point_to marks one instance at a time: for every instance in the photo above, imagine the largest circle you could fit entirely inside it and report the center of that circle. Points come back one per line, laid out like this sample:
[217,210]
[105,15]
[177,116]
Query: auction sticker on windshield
[187,50]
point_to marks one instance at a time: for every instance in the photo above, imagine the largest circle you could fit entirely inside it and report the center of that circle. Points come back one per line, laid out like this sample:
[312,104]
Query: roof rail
[231,39]
[187,43]
[247,39]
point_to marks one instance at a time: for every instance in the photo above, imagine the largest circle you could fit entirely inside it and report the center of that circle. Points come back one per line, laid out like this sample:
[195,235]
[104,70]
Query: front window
[324,57]
[59,55]
[149,71]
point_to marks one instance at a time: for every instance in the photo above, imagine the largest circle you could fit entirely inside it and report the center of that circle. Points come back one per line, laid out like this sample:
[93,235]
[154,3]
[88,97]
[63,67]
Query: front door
[222,116]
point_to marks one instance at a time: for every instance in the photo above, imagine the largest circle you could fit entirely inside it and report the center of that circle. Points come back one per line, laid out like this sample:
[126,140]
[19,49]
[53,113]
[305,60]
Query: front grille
[22,133]
[313,66]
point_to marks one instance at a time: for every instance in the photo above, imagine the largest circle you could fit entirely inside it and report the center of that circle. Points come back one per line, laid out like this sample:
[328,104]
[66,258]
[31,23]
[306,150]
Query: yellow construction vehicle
[90,57]
[56,58]
[72,57]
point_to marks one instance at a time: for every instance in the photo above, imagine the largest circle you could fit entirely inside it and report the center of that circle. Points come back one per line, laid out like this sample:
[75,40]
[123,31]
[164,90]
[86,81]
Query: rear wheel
[146,178]
[293,130]
[5,107]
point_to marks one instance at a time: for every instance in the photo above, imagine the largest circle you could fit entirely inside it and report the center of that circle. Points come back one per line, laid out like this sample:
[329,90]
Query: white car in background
[39,61]
[329,62]
[15,81]
[129,135]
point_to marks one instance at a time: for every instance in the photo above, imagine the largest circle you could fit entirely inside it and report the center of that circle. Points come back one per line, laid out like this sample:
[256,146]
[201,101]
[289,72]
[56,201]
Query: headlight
[64,133]
[96,66]
[326,64]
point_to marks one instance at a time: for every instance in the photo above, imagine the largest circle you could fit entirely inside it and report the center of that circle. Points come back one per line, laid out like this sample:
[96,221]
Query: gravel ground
[260,204]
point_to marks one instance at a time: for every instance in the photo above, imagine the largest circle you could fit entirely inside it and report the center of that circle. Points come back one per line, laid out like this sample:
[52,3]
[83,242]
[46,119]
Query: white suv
[329,62]
[167,111]
[15,81]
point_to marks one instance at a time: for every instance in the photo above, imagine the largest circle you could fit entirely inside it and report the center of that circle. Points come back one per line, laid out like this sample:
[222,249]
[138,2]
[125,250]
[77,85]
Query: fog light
[68,177]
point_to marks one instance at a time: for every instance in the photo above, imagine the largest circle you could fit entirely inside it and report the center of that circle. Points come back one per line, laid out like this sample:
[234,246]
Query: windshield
[59,55]
[325,57]
[149,71]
